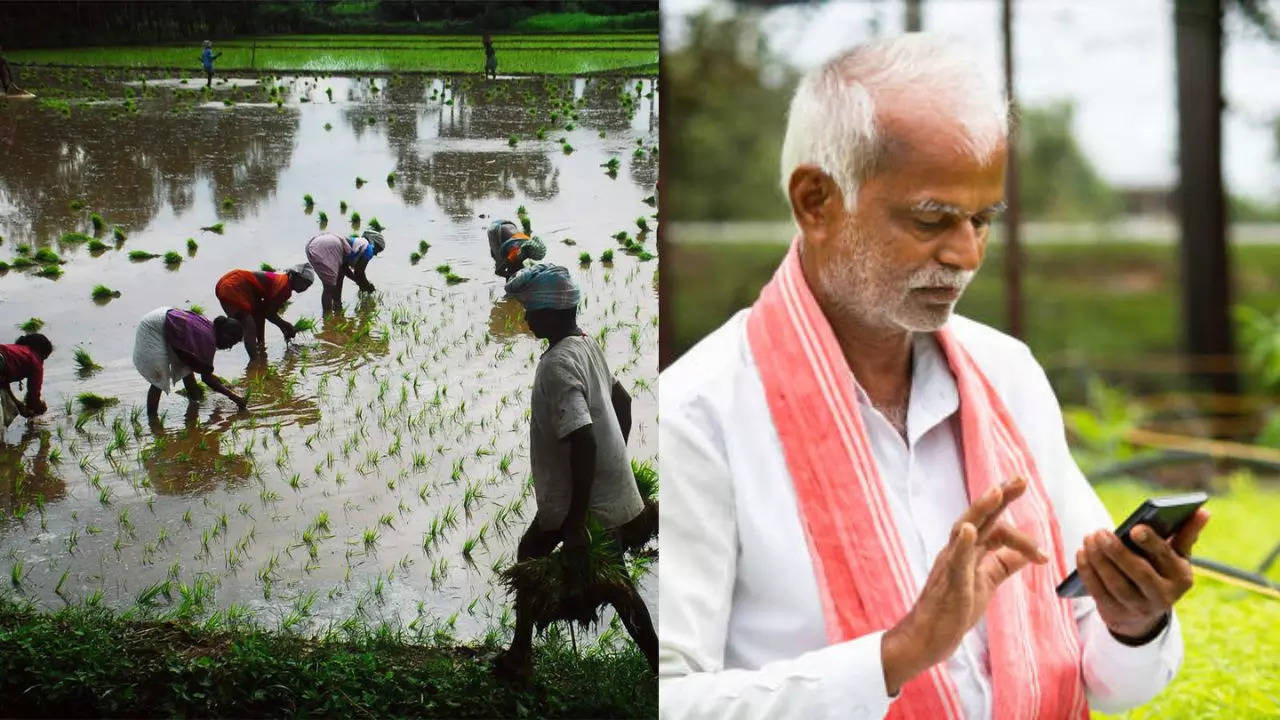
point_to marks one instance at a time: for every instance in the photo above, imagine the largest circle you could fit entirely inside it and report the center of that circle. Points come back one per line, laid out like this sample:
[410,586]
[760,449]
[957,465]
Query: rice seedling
[452,279]
[172,258]
[342,207]
[359,180]
[97,247]
[53,272]
[375,226]
[98,223]
[118,234]
[305,324]
[567,148]
[606,257]
[642,224]
[141,255]
[17,573]
[21,262]
[652,201]
[24,249]
[355,219]
[391,179]
[415,257]
[308,201]
[584,258]
[93,403]
[371,538]
[48,257]
[214,228]
[443,269]
[31,325]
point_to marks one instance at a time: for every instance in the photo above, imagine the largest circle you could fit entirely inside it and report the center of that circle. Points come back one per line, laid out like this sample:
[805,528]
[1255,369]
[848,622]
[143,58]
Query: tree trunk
[1012,217]
[1206,287]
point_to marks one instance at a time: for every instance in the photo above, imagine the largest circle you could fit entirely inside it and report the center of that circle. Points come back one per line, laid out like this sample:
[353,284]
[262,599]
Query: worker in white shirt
[867,501]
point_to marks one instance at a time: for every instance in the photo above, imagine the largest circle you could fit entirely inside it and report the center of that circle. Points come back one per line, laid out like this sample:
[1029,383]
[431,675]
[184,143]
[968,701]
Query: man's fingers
[988,507]
[1007,536]
[962,558]
[1001,564]
[1158,550]
[1117,584]
[1190,532]
[1137,571]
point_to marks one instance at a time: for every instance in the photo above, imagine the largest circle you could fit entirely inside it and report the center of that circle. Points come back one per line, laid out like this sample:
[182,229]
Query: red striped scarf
[864,581]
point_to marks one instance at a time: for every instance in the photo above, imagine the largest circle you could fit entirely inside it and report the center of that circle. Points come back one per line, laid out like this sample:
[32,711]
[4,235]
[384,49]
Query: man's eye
[930,222]
[981,221]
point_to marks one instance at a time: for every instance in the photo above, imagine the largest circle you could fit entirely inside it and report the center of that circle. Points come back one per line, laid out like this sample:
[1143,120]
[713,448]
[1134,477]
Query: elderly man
[867,501]
[578,430]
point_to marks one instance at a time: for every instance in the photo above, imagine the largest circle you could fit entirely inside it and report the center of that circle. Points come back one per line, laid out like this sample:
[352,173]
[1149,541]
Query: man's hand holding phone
[1134,594]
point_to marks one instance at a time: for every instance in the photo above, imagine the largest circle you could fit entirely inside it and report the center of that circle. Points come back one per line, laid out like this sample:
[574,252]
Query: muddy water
[410,409]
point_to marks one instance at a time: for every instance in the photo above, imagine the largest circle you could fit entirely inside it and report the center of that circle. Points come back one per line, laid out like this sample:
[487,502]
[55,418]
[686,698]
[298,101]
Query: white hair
[832,123]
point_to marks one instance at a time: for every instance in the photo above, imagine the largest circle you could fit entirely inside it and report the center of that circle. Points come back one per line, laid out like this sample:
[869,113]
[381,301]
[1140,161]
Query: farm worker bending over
[172,345]
[509,248]
[868,501]
[24,360]
[336,257]
[206,59]
[253,297]
[578,430]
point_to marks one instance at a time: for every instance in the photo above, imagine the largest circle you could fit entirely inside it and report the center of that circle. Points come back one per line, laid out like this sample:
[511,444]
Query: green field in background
[530,54]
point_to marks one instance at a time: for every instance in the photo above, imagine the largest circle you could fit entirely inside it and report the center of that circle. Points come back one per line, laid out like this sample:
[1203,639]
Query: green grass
[538,55]
[90,662]
[1232,636]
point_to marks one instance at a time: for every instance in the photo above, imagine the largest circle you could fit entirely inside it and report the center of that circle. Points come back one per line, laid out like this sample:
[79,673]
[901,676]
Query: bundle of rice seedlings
[98,223]
[92,402]
[375,226]
[606,256]
[305,324]
[141,255]
[97,247]
[584,258]
[52,272]
[192,246]
[452,279]
[267,267]
[172,258]
[551,590]
[74,238]
[84,361]
[118,234]
[214,228]
[102,292]
[32,325]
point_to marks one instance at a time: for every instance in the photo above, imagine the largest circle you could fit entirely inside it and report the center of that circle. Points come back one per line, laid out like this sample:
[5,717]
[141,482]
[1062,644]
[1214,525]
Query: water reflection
[137,164]
[506,320]
[22,478]
[190,459]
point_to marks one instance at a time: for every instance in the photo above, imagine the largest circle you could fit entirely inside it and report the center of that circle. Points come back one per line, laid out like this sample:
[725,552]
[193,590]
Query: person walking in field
[578,429]
[206,59]
[490,58]
[253,297]
[6,77]
[172,345]
[336,257]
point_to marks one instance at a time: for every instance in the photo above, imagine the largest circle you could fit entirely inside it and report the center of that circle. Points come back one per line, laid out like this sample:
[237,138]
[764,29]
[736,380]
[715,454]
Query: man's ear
[816,203]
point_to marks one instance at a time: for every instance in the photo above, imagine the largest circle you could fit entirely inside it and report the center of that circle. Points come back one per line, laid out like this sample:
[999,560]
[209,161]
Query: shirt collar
[934,396]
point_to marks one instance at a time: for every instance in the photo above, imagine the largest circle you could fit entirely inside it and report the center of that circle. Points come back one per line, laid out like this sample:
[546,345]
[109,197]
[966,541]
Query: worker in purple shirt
[172,345]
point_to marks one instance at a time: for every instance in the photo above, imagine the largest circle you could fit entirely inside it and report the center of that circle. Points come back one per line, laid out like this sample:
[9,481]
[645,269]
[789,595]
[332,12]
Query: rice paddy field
[381,477]
[531,54]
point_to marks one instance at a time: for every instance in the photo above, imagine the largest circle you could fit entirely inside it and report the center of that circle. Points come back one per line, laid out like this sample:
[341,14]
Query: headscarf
[304,271]
[544,287]
[361,251]
[375,239]
[521,247]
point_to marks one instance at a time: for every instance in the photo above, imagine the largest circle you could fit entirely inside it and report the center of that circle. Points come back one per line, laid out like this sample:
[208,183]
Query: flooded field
[382,471]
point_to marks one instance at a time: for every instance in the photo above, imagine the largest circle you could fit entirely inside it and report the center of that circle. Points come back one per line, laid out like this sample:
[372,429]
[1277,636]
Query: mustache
[940,277]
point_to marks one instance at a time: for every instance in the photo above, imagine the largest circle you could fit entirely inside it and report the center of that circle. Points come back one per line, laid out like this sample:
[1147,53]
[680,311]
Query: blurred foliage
[724,133]
[1099,428]
[1058,182]
[1260,344]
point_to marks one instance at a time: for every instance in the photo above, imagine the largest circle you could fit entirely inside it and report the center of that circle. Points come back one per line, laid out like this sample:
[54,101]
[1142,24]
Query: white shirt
[572,388]
[741,633]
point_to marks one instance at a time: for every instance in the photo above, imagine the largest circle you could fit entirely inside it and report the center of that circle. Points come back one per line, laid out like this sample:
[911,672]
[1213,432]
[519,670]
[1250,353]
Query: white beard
[862,283]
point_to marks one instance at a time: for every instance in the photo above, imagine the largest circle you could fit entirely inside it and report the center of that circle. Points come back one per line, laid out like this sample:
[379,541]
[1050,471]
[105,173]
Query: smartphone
[1164,515]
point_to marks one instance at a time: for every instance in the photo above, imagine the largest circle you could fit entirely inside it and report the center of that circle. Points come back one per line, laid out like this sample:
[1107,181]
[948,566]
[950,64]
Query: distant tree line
[72,23]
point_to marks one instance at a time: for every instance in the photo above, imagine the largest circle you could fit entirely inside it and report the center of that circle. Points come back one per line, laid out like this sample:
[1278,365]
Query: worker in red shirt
[24,360]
